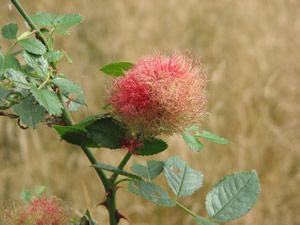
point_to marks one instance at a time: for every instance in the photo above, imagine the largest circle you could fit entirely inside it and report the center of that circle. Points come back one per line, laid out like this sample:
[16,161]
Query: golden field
[251,53]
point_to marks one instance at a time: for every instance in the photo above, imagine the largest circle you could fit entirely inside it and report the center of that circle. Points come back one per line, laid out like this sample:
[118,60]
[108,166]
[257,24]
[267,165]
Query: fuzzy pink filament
[40,211]
[159,95]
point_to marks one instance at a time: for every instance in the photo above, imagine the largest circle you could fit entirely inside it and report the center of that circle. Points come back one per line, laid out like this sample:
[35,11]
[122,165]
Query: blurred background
[251,52]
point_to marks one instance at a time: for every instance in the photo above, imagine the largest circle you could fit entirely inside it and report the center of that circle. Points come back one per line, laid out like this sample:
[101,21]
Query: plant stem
[185,209]
[69,121]
[29,21]
[121,166]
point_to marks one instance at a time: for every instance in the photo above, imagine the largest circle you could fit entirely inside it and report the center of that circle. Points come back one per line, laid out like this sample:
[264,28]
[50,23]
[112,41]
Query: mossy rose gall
[159,95]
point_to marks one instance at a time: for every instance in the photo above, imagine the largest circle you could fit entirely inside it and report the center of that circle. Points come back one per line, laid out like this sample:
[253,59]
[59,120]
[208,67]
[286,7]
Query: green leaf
[64,31]
[91,119]
[115,169]
[73,105]
[202,221]
[233,196]
[212,137]
[38,63]
[116,69]
[8,61]
[53,56]
[33,46]
[30,112]
[52,20]
[151,192]
[182,179]
[68,58]
[151,171]
[68,20]
[38,191]
[9,31]
[107,133]
[192,128]
[26,196]
[192,142]
[18,77]
[151,147]
[76,136]
[68,86]
[4,93]
[44,19]
[47,99]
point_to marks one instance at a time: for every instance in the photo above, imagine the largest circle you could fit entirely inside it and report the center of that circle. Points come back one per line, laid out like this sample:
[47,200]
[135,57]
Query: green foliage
[233,196]
[33,46]
[52,20]
[150,171]
[104,132]
[75,135]
[27,196]
[6,62]
[30,112]
[9,31]
[151,192]
[202,221]
[152,147]
[53,56]
[192,142]
[90,119]
[107,133]
[182,179]
[68,86]
[38,63]
[64,31]
[212,137]
[115,169]
[116,69]
[17,76]
[47,99]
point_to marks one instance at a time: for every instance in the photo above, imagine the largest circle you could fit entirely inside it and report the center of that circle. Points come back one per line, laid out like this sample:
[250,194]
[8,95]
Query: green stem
[185,209]
[122,180]
[11,47]
[46,81]
[69,121]
[121,166]
[30,22]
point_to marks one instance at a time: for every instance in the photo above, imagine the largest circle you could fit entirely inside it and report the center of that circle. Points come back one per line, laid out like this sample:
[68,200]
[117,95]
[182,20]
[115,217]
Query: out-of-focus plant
[156,96]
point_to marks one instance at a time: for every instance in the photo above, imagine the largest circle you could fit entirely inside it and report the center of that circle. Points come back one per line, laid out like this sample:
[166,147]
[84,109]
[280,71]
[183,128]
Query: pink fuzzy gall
[159,95]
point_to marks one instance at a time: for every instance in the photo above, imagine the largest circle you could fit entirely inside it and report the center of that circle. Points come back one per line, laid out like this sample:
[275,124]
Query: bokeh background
[251,52]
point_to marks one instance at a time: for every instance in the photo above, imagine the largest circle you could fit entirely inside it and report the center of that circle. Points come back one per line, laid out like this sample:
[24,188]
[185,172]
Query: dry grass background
[251,50]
